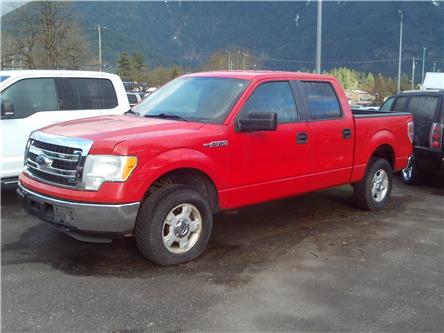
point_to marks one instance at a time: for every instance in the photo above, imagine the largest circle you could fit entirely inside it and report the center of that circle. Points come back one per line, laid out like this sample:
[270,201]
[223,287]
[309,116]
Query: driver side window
[273,97]
[30,96]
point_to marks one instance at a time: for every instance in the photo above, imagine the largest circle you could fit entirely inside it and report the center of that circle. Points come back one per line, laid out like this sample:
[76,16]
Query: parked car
[427,107]
[205,143]
[365,108]
[134,97]
[34,99]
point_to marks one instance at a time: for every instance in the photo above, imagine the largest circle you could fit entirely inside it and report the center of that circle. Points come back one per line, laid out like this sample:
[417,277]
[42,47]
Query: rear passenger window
[400,104]
[322,100]
[29,96]
[273,97]
[423,108]
[87,94]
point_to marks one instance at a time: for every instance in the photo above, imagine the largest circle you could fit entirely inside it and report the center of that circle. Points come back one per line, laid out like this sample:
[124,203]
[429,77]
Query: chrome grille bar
[54,155]
[56,160]
[72,176]
[57,171]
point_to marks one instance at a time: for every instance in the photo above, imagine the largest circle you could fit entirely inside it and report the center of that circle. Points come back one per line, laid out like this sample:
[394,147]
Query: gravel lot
[311,263]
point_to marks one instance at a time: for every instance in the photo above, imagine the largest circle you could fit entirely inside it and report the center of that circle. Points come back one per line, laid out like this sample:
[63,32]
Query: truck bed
[369,126]
[370,113]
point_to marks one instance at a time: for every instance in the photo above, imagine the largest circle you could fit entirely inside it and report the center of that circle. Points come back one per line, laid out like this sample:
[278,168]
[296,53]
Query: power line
[338,61]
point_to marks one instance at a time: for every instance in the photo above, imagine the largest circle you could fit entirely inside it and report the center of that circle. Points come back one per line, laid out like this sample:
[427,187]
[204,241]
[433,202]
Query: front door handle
[346,133]
[302,138]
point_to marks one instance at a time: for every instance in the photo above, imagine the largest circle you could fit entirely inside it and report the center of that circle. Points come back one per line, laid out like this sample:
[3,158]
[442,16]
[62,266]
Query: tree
[384,87]
[138,61]
[45,35]
[162,75]
[348,78]
[230,58]
[124,66]
[138,67]
[176,71]
[217,61]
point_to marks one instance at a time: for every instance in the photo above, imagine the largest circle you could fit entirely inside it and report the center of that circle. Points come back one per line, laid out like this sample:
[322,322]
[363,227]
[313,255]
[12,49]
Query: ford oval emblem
[43,160]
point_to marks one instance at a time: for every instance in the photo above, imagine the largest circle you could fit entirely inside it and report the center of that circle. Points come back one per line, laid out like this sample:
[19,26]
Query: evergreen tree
[124,67]
[138,61]
[138,67]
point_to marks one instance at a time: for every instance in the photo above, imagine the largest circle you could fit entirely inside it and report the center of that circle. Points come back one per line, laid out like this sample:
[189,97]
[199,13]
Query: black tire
[364,197]
[149,227]
[410,176]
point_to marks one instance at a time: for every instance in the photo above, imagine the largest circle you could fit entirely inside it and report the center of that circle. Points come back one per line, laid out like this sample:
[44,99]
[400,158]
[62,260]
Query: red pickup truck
[205,143]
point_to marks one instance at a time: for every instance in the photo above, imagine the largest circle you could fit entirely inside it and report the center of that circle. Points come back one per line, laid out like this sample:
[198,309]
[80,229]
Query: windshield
[201,99]
[3,78]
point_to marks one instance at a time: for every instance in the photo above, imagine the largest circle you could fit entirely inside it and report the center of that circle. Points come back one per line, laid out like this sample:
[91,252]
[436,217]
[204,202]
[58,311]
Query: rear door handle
[302,138]
[346,133]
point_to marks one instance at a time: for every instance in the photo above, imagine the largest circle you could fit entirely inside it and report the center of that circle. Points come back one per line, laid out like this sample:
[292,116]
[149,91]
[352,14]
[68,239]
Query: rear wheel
[174,225]
[373,192]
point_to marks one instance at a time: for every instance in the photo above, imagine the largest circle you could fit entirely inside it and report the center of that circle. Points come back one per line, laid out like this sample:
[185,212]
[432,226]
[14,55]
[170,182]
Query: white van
[34,99]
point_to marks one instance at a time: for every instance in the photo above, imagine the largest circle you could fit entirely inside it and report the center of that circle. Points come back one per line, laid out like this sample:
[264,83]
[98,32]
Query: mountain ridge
[355,34]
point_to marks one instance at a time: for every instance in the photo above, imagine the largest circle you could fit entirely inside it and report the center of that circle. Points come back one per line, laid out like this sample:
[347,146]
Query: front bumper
[84,221]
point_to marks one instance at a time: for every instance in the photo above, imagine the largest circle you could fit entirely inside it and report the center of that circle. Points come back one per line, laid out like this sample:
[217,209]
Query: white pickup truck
[33,99]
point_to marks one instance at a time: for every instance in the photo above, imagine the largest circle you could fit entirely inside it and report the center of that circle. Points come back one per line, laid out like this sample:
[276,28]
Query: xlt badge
[214,144]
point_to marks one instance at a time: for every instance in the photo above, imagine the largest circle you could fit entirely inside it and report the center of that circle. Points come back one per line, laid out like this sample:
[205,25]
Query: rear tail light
[410,130]
[436,135]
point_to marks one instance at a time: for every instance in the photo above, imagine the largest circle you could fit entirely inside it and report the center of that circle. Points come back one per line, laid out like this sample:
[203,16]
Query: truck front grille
[53,148]
[53,163]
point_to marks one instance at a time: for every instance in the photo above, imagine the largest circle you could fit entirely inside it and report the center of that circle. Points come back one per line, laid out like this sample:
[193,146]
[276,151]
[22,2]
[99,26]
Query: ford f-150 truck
[204,143]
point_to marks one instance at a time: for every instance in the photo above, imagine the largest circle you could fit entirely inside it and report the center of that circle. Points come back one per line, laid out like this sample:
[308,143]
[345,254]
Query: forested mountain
[359,35]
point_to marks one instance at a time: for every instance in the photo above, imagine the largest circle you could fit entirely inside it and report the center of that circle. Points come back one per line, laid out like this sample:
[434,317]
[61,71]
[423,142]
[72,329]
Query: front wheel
[174,225]
[373,192]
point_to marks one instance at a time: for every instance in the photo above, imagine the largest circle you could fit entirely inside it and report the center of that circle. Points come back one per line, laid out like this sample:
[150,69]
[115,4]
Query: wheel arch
[386,152]
[192,177]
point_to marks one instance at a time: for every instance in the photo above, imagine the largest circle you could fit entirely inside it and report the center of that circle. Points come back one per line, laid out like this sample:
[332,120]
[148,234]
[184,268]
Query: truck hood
[108,131]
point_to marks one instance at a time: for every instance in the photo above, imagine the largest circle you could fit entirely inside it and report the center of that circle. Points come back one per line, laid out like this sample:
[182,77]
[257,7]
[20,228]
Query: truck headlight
[106,168]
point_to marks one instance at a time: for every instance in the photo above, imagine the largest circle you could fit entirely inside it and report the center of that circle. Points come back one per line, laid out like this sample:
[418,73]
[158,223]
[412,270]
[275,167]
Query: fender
[181,158]
[364,153]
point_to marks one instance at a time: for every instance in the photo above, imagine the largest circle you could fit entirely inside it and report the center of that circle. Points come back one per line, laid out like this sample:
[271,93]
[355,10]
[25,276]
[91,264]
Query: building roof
[433,81]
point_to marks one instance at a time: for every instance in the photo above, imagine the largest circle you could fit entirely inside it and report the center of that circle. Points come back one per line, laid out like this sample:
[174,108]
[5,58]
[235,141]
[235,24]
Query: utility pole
[229,60]
[319,38]
[413,73]
[400,53]
[99,30]
[423,63]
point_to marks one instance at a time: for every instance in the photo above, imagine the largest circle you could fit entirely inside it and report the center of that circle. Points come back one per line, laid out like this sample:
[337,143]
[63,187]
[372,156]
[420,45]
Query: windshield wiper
[166,116]
[132,112]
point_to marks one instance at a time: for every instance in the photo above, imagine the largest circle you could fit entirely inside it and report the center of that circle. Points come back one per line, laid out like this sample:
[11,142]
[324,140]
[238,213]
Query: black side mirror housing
[7,109]
[258,121]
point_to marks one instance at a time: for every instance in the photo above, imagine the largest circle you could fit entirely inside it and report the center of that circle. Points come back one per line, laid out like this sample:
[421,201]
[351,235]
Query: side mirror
[7,109]
[258,121]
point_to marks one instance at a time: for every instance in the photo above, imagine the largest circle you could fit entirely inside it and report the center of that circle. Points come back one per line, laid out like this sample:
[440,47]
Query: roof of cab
[250,75]
[19,73]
